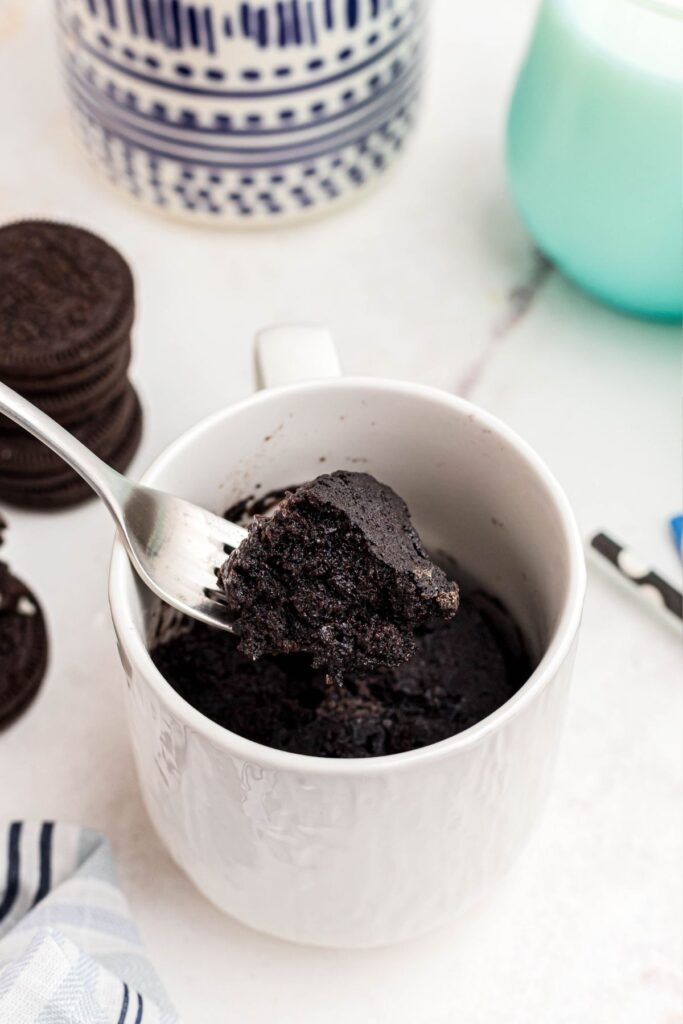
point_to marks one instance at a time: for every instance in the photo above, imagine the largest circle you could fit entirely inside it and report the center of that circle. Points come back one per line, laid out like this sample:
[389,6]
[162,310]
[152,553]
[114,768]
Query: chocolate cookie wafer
[60,490]
[65,297]
[74,404]
[66,313]
[21,455]
[23,645]
[53,382]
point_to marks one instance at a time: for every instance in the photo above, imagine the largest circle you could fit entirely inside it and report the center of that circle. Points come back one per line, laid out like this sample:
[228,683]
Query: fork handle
[111,486]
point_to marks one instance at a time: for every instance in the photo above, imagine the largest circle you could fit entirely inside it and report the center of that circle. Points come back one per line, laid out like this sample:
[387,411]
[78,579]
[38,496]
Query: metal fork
[175,547]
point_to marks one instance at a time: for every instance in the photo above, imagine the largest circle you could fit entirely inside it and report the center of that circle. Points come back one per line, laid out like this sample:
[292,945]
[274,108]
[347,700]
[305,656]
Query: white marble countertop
[417,282]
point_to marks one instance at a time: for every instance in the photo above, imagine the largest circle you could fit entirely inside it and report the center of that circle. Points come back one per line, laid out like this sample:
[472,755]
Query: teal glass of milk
[594,148]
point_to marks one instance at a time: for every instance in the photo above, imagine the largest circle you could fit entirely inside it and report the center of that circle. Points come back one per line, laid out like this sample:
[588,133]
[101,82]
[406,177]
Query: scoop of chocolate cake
[339,572]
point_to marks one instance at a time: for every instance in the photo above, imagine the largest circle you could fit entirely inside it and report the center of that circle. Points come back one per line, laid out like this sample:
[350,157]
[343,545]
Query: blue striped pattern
[218,186]
[345,57]
[59,900]
[13,871]
[45,875]
[124,1005]
[283,23]
[249,136]
[260,140]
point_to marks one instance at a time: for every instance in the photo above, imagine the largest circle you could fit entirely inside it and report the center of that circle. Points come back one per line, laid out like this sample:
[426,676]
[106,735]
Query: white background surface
[417,282]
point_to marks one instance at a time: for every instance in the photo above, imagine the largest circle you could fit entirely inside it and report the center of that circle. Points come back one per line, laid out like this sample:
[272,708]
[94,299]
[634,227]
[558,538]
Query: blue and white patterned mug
[243,112]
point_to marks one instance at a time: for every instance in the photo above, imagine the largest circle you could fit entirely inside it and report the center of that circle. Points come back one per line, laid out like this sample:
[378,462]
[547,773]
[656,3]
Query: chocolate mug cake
[352,642]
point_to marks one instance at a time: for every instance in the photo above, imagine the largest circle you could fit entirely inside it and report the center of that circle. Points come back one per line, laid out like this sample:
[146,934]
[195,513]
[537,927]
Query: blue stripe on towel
[124,1005]
[13,865]
[45,878]
[69,950]
[138,1018]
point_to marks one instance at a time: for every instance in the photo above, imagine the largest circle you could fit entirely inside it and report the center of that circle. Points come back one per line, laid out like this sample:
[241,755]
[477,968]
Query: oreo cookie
[56,382]
[72,405]
[23,646]
[65,297]
[67,306]
[22,455]
[56,491]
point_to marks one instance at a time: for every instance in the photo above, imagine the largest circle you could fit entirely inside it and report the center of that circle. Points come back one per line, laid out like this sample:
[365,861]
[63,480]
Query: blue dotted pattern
[271,193]
[345,100]
[346,127]
[136,57]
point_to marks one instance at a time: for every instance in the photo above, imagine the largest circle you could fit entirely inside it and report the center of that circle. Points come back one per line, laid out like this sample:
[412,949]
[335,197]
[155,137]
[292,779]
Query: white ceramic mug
[361,852]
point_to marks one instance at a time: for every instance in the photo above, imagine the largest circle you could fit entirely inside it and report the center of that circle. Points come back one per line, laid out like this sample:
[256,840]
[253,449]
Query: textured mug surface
[362,852]
[242,112]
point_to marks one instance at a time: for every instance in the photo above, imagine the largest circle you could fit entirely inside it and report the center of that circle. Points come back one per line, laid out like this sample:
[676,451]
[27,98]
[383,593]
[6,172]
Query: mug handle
[292,353]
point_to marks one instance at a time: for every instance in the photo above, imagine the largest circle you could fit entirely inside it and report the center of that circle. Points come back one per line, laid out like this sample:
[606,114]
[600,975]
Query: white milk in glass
[594,147]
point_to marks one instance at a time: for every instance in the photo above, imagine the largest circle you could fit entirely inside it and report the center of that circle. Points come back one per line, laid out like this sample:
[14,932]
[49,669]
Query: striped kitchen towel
[69,951]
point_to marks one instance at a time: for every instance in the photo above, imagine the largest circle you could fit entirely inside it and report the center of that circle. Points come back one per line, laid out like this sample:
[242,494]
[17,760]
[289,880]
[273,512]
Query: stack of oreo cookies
[66,311]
